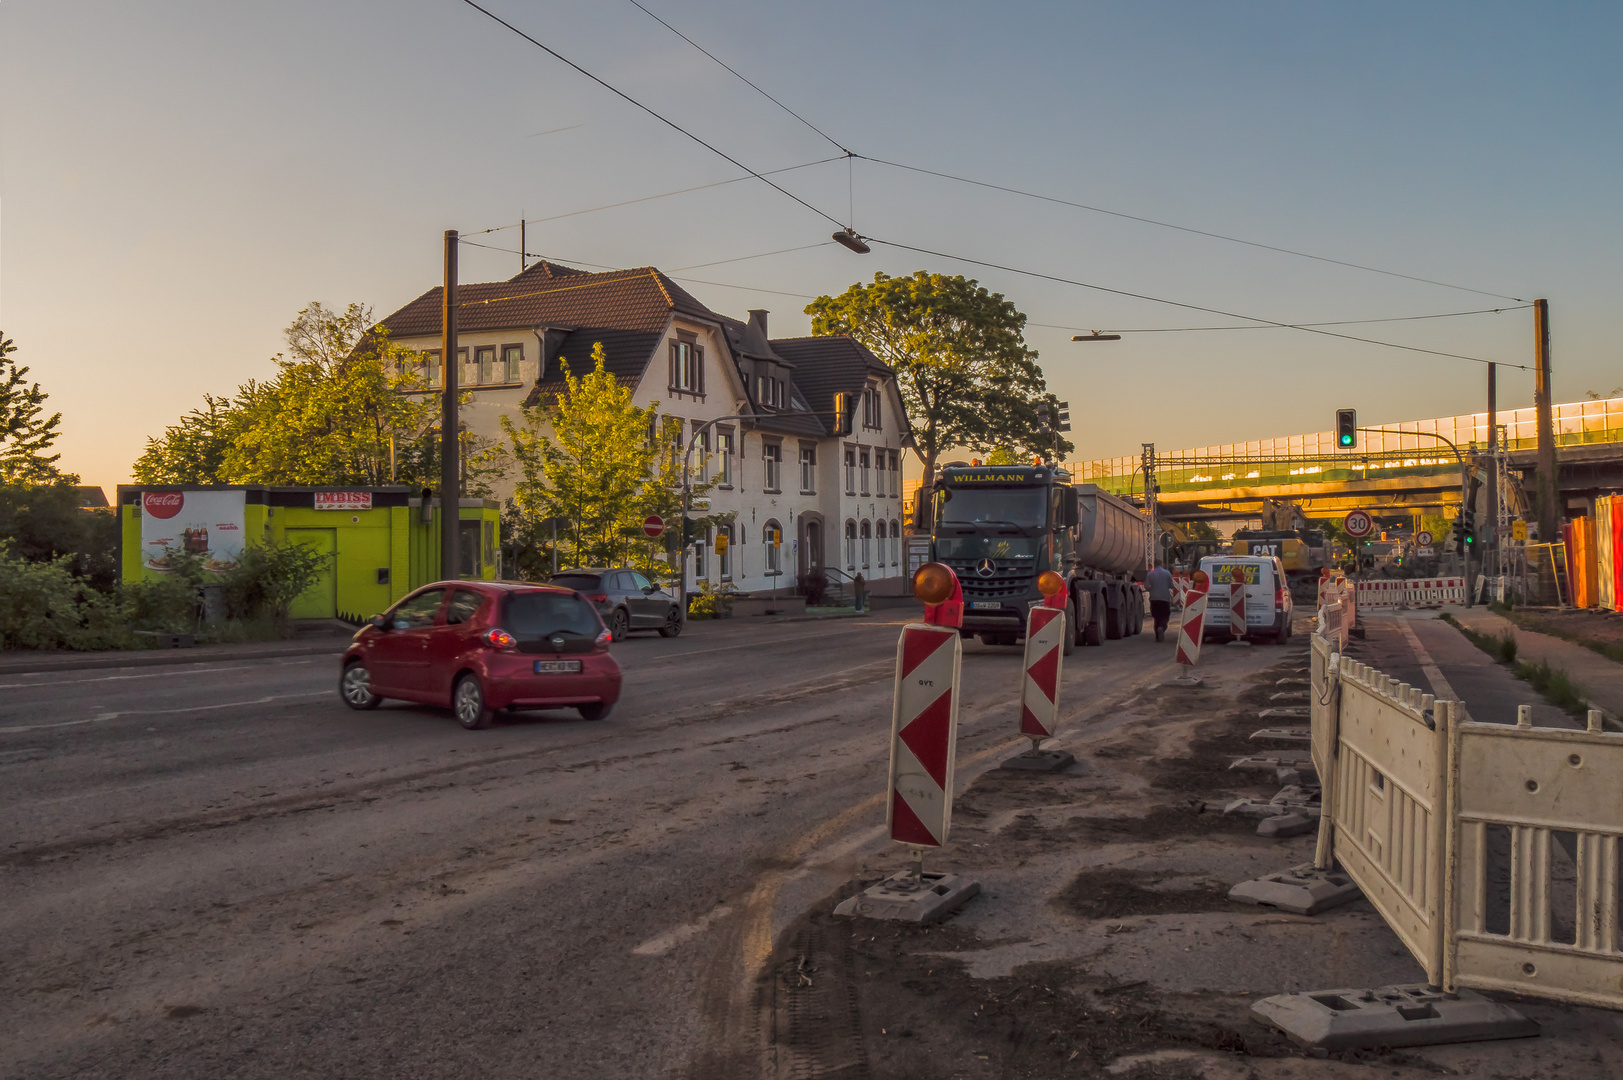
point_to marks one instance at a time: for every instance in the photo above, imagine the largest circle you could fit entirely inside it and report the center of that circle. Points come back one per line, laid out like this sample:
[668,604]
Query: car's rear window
[534,615]
[575,581]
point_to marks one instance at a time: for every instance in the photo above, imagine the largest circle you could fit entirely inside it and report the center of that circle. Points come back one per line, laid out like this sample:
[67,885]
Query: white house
[800,498]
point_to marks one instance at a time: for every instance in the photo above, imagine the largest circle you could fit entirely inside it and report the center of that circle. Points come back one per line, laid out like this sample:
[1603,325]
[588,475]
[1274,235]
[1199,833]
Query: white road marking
[670,939]
[1434,674]
[148,675]
[160,712]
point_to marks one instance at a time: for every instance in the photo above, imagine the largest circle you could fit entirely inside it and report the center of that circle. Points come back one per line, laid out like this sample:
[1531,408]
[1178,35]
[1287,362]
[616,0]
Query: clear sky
[179,178]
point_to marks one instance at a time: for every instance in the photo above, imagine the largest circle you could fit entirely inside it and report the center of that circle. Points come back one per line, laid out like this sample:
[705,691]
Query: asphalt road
[219,870]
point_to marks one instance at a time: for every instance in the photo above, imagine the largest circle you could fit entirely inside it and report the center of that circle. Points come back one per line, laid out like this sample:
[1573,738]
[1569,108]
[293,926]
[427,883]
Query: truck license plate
[986,605]
[557,667]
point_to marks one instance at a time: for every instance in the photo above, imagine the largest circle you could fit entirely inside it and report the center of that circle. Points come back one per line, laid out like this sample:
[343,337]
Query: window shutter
[698,369]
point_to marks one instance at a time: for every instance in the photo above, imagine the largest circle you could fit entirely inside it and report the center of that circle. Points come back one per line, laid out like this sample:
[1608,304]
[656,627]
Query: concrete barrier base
[1184,681]
[1285,734]
[1044,761]
[1302,890]
[1295,823]
[1285,712]
[910,899]
[1389,1016]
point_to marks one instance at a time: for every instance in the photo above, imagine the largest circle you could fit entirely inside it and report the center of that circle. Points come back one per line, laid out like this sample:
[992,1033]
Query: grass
[1554,684]
[1529,621]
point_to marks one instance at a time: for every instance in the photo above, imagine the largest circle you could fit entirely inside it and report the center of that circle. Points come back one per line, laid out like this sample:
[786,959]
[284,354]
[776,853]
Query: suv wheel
[468,700]
[619,624]
[673,624]
[355,687]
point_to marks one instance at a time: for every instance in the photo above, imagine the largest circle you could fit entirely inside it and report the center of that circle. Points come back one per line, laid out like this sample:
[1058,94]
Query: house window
[772,540]
[808,470]
[701,465]
[870,408]
[850,545]
[895,476]
[862,456]
[701,571]
[879,548]
[724,455]
[462,373]
[687,367]
[895,543]
[512,357]
[867,543]
[772,456]
[484,362]
[850,471]
[432,371]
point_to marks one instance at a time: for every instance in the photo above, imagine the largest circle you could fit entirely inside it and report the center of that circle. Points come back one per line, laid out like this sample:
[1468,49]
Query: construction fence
[1491,850]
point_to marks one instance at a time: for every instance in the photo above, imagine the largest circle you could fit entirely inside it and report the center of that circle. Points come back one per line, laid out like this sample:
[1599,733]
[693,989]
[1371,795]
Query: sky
[178,179]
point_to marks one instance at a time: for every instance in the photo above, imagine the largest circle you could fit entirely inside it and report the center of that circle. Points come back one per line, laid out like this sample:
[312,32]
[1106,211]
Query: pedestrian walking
[859,589]
[1160,583]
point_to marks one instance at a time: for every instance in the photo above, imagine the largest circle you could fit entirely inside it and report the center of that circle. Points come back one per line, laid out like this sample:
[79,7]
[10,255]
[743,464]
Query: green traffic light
[1346,440]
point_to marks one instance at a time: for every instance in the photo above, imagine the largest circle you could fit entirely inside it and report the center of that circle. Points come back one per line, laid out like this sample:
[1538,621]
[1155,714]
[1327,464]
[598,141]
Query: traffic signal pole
[450,452]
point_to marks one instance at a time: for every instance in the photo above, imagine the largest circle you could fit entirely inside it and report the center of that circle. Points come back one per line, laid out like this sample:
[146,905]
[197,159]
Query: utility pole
[521,248]
[450,452]
[1549,511]
[1493,469]
[1153,541]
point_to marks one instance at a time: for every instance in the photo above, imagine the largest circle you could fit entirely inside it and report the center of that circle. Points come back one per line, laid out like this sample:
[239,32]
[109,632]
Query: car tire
[355,687]
[619,623]
[595,711]
[673,624]
[468,703]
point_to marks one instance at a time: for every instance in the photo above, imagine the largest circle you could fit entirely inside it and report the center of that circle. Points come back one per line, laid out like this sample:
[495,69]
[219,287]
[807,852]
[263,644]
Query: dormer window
[771,392]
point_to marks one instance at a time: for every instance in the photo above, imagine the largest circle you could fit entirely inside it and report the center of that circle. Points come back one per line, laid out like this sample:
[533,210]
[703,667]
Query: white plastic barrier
[1418,592]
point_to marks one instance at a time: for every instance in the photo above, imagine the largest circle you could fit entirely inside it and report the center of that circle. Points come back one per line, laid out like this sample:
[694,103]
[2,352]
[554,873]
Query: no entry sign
[1358,524]
[653,525]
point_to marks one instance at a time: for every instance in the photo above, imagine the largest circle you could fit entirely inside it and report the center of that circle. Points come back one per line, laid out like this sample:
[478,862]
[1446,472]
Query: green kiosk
[384,541]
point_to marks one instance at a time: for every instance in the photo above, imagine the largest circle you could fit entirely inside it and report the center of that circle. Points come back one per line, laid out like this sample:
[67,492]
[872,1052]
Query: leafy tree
[588,456]
[26,434]
[192,451]
[959,353]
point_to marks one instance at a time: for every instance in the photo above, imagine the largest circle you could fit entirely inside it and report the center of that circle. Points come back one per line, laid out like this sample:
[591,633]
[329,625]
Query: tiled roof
[826,365]
[626,355]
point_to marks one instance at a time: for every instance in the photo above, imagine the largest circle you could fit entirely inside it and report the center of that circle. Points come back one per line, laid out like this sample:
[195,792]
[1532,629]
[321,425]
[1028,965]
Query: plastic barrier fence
[1419,592]
[1492,851]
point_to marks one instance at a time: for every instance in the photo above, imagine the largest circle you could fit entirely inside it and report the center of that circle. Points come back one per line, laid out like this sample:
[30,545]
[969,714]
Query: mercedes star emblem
[986,568]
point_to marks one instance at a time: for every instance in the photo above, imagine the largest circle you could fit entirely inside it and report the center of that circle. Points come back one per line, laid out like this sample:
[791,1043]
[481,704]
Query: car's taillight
[500,639]
[598,597]
[602,642]
[1279,599]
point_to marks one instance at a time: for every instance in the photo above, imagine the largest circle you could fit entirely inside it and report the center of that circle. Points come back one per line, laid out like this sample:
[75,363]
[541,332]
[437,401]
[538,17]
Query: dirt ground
[1104,943]
[1583,625]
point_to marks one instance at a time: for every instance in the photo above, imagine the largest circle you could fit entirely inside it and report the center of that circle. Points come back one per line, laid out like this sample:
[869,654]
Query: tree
[26,434]
[593,458]
[959,353]
[340,410]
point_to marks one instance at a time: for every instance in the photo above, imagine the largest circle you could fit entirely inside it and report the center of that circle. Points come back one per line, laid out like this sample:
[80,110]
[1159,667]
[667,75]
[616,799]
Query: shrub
[813,587]
[44,606]
[268,578]
[712,602]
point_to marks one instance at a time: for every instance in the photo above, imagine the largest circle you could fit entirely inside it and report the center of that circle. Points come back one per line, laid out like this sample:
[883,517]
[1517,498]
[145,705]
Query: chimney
[753,341]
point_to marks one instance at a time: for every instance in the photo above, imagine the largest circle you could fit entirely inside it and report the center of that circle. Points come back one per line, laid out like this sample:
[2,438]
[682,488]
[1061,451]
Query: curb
[41,662]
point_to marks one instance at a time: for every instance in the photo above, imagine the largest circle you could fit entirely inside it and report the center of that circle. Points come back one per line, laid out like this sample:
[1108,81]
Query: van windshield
[532,616]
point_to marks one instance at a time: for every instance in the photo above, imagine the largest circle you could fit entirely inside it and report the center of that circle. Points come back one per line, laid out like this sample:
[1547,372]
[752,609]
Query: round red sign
[653,525]
[162,504]
[1357,523]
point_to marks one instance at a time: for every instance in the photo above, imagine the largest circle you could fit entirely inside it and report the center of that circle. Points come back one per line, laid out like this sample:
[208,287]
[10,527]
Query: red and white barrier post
[1046,628]
[1236,605]
[1191,628]
[923,752]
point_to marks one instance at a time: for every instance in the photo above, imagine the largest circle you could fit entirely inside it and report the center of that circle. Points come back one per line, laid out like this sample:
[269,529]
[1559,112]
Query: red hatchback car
[479,646]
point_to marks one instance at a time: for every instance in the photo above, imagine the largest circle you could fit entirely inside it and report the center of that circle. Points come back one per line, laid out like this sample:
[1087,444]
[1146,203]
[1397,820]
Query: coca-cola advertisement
[207,524]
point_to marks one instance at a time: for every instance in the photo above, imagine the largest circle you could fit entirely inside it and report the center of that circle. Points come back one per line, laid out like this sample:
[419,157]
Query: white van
[1268,605]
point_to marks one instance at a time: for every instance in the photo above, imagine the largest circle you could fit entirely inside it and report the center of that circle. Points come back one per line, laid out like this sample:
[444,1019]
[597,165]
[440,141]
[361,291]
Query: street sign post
[1358,524]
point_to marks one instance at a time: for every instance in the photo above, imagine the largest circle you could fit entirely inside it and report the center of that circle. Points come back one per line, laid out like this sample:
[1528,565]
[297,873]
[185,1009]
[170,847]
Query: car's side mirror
[649,590]
[379,622]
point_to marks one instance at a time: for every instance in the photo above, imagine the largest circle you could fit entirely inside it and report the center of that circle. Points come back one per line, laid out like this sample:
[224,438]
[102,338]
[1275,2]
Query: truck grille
[1008,579]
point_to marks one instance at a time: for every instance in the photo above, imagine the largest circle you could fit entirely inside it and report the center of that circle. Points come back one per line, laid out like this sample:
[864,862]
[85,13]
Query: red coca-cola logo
[162,504]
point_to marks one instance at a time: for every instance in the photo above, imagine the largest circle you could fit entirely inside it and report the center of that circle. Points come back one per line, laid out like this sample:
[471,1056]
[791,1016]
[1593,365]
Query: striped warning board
[1237,609]
[1190,628]
[1039,689]
[924,734]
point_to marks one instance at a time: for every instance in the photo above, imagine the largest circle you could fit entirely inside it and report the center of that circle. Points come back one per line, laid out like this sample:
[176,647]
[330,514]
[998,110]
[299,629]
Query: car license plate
[557,667]
[986,605]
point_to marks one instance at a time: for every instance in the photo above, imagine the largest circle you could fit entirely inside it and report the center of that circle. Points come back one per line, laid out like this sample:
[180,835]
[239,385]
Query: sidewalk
[22,662]
[1600,679]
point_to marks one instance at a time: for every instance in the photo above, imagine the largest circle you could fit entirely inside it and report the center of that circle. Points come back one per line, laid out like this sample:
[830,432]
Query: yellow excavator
[1286,532]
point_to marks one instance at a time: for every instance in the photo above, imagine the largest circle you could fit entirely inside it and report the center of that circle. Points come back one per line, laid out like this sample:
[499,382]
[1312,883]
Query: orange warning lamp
[1050,583]
[1201,580]
[933,583]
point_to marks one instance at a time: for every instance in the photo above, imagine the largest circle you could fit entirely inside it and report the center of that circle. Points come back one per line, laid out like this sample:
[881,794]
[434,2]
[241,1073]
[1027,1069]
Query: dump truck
[999,526]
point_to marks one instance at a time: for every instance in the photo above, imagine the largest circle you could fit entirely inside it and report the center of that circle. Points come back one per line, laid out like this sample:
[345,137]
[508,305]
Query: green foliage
[1556,685]
[586,456]
[43,605]
[1003,455]
[712,601]
[43,522]
[340,410]
[814,586]
[267,578]
[959,353]
[26,435]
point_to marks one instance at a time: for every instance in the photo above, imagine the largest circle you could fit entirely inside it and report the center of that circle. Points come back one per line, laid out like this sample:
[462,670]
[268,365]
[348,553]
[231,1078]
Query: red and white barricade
[924,734]
[1039,689]
[1236,610]
[1192,627]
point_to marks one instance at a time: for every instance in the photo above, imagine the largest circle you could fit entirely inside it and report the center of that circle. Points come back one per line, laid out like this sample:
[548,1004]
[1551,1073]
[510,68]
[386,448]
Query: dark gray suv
[625,598]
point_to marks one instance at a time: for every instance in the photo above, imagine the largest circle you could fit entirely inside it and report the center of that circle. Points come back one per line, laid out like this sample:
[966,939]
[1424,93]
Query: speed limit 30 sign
[1358,524]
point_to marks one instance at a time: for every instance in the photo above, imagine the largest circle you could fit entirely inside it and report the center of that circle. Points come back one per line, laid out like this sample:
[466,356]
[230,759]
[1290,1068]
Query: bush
[44,606]
[268,578]
[712,602]
[813,587]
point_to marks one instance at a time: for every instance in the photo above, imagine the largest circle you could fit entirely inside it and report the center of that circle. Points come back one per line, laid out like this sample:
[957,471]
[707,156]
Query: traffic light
[1458,532]
[1468,526]
[1346,429]
[1045,421]
[1063,416]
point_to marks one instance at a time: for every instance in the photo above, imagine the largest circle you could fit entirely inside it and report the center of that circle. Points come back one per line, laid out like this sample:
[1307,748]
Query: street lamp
[849,238]
[1096,336]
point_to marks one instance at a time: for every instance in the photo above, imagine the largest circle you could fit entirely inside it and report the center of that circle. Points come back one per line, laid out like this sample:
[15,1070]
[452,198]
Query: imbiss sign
[343,500]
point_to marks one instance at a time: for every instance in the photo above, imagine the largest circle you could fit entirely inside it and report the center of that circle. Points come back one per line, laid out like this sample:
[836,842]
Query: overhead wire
[1286,326]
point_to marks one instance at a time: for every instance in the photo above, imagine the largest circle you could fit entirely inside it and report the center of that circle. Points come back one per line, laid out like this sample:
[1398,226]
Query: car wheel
[595,711]
[355,687]
[619,624]
[673,624]
[468,701]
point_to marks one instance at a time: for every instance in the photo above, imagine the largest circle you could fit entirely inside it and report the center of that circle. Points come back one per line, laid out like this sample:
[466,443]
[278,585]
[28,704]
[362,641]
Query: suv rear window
[533,616]
[573,581]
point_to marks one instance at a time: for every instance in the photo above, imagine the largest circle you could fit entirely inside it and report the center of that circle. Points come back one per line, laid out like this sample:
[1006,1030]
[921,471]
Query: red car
[479,646]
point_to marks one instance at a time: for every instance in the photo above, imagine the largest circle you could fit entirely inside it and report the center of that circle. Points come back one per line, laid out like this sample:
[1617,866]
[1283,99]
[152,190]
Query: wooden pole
[1549,509]
[450,452]
[1492,529]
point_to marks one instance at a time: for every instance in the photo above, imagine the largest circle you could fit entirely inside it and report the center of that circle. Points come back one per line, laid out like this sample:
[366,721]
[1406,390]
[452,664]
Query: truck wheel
[1113,623]
[1070,632]
[1094,632]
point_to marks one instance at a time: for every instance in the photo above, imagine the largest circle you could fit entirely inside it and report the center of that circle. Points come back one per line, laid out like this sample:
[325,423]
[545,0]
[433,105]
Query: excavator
[1287,533]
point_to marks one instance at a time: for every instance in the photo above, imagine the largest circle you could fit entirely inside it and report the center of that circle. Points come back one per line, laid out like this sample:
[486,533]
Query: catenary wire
[672,124]
[826,136]
[1286,326]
